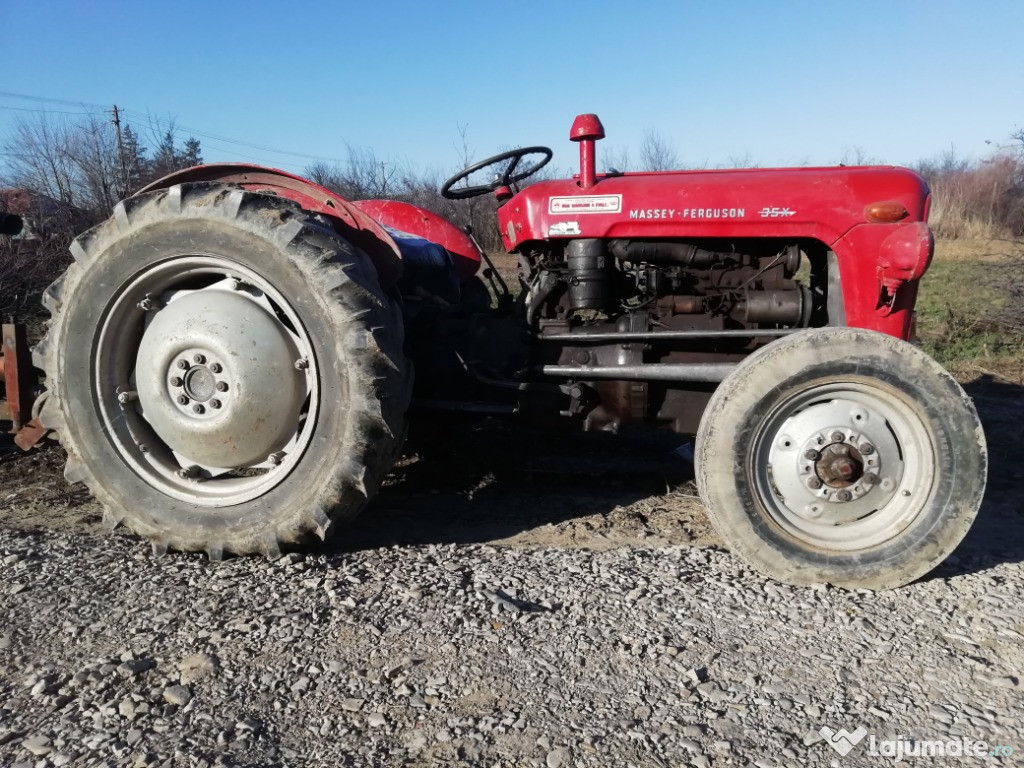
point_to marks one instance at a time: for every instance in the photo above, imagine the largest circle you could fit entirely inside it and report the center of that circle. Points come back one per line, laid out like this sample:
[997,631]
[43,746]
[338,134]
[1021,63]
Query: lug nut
[183,364]
[870,479]
[301,364]
[222,386]
[215,403]
[182,400]
[813,483]
[867,449]
[811,455]
[838,437]
[176,381]
[197,408]
[216,368]
[843,496]
[199,359]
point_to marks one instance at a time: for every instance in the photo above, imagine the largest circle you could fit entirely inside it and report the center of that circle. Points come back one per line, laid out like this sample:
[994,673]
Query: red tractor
[227,359]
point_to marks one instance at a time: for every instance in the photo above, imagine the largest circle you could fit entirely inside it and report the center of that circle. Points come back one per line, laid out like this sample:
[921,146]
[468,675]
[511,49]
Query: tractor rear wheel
[844,456]
[224,371]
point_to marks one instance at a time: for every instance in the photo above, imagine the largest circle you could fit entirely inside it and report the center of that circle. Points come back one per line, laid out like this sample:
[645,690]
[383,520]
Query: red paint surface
[587,129]
[418,221]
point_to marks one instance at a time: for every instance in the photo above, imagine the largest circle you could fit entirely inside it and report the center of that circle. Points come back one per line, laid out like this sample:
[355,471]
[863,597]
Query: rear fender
[428,225]
[347,219]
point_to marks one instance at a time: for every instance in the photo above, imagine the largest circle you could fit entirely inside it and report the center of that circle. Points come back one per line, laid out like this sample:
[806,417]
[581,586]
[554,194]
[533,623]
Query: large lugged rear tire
[843,456]
[224,371]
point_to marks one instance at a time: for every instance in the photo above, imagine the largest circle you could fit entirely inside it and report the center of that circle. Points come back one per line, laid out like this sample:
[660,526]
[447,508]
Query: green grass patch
[972,309]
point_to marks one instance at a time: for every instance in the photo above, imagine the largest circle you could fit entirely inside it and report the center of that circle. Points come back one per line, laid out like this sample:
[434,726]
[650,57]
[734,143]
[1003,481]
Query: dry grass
[970,306]
[976,249]
[976,200]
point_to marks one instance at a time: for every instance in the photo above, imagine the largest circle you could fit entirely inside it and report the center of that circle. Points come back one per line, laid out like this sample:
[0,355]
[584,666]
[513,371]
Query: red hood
[823,203]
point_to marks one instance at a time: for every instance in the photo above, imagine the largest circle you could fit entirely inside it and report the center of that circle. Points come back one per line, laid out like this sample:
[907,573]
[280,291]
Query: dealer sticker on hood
[585,204]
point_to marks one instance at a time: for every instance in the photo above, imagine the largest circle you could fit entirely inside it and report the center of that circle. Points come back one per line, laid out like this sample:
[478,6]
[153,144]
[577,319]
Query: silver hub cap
[844,466]
[217,379]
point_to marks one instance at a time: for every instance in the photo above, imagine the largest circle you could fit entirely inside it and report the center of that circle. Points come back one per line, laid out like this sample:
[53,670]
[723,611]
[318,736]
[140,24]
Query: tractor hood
[820,203]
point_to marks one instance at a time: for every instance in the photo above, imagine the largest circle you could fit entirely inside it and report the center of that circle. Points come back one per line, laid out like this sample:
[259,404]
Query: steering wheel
[503,178]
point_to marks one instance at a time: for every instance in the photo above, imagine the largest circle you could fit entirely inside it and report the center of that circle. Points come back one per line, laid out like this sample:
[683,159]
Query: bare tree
[615,159]
[858,156]
[656,153]
[362,176]
[746,160]
[92,148]
[40,160]
[80,164]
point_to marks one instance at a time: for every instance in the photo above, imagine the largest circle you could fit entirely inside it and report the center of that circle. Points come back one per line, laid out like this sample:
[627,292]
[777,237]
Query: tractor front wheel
[224,371]
[843,456]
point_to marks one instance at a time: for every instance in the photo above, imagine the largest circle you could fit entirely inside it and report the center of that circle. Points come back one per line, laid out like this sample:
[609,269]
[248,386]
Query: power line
[45,111]
[228,140]
[209,150]
[222,151]
[46,100]
[151,118]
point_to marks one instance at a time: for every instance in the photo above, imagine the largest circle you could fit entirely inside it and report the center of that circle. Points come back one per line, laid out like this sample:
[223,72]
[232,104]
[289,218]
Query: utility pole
[120,152]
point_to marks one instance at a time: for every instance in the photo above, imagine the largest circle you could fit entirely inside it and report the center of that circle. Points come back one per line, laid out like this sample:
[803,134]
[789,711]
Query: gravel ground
[509,600]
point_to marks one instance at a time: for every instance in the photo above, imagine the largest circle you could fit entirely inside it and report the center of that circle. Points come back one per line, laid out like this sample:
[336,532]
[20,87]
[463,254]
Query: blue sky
[777,82]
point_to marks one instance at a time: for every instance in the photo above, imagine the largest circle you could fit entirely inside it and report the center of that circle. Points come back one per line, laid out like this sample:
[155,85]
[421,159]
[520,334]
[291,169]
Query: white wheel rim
[137,404]
[846,498]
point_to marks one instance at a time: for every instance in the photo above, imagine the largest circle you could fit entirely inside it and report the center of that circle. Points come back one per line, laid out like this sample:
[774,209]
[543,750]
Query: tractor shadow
[464,480]
[997,535]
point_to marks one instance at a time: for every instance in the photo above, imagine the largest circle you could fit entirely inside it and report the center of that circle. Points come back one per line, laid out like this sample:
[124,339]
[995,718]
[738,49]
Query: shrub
[976,199]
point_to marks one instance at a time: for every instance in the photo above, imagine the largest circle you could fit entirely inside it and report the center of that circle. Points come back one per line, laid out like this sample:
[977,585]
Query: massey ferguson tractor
[230,358]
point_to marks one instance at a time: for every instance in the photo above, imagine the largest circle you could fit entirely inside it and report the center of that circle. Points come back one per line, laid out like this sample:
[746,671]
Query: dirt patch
[509,484]
[35,496]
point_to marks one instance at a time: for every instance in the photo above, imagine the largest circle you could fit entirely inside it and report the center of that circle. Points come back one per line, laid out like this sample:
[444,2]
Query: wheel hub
[840,465]
[198,389]
[199,383]
[839,472]
[835,462]
[217,380]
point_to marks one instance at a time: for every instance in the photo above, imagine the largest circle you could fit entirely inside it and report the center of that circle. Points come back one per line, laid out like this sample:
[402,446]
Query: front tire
[844,456]
[224,371]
